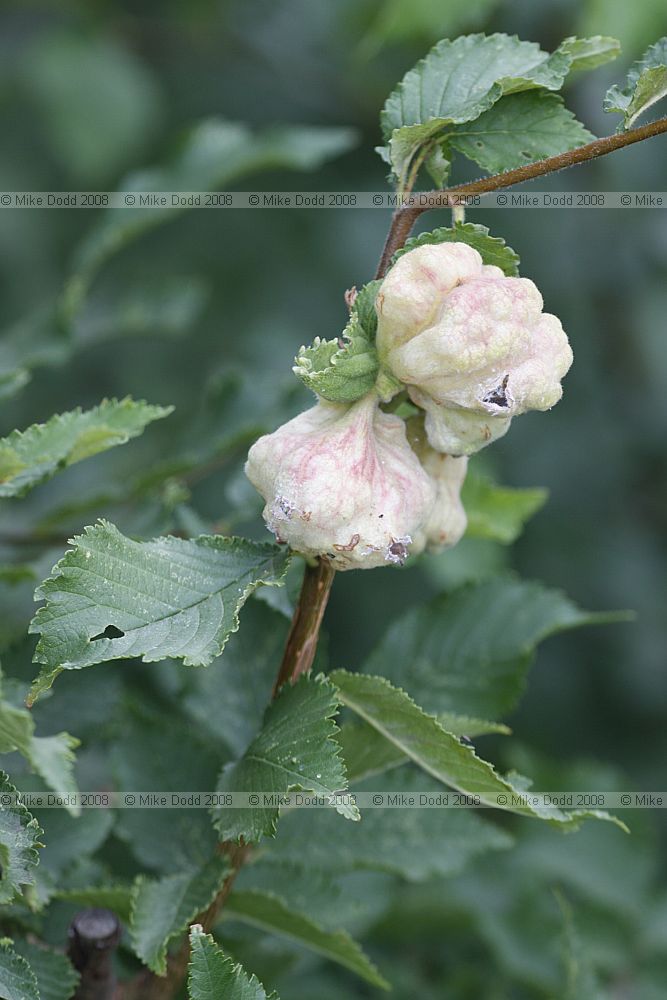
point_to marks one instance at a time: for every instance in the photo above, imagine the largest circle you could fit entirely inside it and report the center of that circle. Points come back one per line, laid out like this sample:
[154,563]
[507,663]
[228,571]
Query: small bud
[342,482]
[447,521]
[473,346]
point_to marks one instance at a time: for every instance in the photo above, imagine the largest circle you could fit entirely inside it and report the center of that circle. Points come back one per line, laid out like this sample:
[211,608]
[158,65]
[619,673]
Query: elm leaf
[52,757]
[56,976]
[294,750]
[519,129]
[367,753]
[492,249]
[589,53]
[17,980]
[343,370]
[441,754]
[645,85]
[113,598]
[212,975]
[20,836]
[162,909]
[459,80]
[29,457]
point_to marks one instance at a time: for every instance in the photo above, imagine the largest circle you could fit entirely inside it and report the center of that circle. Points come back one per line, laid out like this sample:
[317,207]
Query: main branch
[405,217]
[304,633]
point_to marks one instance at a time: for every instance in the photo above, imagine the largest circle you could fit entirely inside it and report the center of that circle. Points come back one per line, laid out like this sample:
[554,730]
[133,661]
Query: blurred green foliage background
[91,91]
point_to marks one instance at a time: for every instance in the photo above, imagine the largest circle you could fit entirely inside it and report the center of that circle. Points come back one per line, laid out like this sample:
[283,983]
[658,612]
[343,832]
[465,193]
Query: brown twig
[416,204]
[93,937]
[301,644]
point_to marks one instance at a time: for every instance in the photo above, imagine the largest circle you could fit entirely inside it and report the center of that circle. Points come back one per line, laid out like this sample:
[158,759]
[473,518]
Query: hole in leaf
[479,144]
[110,632]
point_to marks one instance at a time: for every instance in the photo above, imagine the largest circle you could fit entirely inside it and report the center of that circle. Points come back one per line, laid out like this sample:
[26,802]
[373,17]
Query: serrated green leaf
[415,843]
[367,753]
[438,164]
[344,370]
[212,975]
[589,53]
[214,154]
[169,597]
[364,315]
[492,249]
[162,910]
[17,980]
[459,80]
[468,726]
[19,842]
[498,512]
[469,651]
[341,374]
[29,457]
[295,750]
[270,913]
[441,754]
[56,976]
[52,757]
[235,409]
[519,129]
[646,83]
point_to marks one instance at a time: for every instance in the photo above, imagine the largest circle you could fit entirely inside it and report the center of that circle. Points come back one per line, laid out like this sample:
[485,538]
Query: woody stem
[415,205]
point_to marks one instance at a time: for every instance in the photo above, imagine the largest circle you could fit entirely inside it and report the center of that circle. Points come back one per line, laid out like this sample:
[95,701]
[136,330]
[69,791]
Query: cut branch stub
[93,938]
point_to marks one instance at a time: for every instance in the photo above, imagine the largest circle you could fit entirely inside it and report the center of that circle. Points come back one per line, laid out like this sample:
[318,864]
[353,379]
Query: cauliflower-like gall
[447,522]
[342,482]
[472,345]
